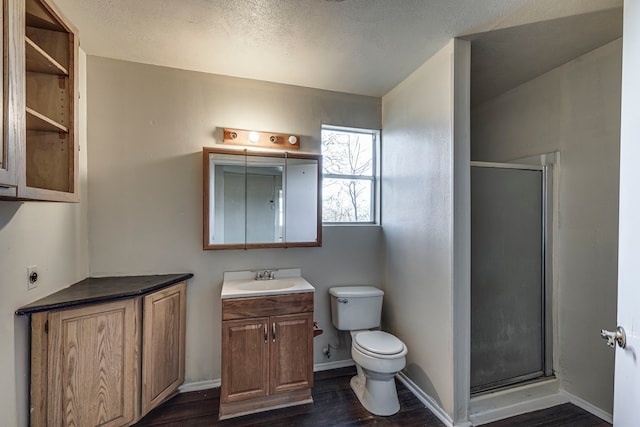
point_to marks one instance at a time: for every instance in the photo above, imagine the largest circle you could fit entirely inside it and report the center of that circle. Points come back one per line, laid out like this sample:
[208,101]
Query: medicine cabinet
[261,199]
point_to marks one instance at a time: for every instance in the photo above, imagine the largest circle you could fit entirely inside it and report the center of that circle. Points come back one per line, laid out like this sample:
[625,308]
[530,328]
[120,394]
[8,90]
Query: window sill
[350,224]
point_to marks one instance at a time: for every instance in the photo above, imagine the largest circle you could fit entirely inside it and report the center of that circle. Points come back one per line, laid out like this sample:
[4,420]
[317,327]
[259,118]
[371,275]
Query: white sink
[266,285]
[238,284]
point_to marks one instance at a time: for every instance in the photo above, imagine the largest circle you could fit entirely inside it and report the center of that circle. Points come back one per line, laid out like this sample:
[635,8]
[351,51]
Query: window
[348,175]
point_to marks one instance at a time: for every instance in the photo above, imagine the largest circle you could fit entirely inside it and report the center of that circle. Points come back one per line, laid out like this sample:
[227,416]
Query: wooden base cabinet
[291,353]
[107,364]
[267,360]
[162,345]
[245,365]
[84,368]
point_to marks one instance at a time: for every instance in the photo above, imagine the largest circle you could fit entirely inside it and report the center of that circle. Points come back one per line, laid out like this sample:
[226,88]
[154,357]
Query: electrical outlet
[32,277]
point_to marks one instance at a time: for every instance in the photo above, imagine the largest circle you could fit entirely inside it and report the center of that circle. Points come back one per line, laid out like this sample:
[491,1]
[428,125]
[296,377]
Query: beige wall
[147,126]
[418,224]
[573,109]
[52,236]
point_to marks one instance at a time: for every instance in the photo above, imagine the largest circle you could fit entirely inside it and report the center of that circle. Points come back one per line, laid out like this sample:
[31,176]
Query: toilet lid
[379,342]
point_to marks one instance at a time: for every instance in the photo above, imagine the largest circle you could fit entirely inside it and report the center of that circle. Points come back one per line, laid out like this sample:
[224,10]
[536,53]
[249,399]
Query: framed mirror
[261,199]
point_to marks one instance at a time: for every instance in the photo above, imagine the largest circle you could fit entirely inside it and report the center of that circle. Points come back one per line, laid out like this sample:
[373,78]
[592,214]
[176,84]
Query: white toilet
[378,355]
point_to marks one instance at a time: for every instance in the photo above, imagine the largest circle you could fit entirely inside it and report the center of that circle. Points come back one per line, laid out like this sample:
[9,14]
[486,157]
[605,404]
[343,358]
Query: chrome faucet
[265,275]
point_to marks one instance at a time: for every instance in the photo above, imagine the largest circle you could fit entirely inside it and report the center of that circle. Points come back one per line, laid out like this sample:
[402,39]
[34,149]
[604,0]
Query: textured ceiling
[354,46]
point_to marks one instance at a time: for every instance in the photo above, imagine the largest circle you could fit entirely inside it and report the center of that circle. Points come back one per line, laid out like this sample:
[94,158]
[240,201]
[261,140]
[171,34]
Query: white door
[626,407]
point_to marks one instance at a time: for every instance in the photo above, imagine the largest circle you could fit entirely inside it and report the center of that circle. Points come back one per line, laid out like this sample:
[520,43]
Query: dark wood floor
[334,404]
[558,416]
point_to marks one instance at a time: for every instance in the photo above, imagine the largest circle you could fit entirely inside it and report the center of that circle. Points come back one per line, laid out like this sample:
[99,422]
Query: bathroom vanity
[267,342]
[105,351]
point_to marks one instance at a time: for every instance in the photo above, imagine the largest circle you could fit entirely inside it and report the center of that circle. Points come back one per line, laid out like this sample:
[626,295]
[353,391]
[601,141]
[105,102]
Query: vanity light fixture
[261,139]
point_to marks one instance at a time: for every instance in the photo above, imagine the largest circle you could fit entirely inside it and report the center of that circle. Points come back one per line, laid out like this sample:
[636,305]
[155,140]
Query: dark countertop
[103,289]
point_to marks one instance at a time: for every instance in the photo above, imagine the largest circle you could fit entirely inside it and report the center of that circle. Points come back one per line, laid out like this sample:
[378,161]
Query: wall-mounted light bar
[261,139]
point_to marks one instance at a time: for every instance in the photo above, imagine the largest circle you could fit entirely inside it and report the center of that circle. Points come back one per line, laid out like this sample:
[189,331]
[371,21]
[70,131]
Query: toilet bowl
[378,357]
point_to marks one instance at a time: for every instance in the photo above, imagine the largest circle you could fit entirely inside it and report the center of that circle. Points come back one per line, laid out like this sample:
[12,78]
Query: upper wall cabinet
[261,199]
[40,103]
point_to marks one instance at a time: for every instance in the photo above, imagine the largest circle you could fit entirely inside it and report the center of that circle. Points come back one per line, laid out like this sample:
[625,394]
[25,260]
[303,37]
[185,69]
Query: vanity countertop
[102,289]
[241,284]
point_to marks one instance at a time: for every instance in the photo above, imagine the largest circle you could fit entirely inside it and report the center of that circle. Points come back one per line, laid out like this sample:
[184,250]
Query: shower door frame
[546,274]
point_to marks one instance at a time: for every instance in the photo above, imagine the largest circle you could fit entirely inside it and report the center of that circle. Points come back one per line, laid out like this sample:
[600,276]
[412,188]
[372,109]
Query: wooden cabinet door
[92,365]
[291,352]
[12,77]
[162,344]
[245,359]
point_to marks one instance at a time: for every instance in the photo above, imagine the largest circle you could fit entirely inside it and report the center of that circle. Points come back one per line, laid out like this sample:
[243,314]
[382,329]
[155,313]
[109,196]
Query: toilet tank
[355,307]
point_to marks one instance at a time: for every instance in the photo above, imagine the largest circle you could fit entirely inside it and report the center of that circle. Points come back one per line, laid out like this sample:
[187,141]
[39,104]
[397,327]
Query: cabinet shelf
[39,61]
[38,16]
[40,122]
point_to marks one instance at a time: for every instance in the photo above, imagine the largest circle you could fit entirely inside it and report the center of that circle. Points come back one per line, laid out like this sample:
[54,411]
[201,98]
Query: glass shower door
[507,275]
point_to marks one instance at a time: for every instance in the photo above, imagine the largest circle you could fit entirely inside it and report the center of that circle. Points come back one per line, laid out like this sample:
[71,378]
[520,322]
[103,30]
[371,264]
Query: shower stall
[510,280]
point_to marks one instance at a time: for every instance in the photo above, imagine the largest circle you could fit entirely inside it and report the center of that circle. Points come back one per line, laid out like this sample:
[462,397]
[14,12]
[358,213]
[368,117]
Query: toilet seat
[379,344]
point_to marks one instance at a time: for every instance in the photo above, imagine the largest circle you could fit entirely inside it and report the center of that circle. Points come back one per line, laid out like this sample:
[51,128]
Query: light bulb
[254,137]
[293,140]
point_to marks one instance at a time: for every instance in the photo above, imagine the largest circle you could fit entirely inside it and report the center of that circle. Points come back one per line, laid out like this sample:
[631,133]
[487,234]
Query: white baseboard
[207,384]
[333,365]
[199,385]
[428,401]
[581,403]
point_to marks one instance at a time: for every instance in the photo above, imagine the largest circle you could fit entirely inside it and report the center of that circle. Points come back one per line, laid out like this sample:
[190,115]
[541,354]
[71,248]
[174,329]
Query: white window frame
[374,178]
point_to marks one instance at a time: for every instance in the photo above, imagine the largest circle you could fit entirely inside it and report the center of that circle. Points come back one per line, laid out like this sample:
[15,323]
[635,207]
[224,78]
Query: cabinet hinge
[46,326]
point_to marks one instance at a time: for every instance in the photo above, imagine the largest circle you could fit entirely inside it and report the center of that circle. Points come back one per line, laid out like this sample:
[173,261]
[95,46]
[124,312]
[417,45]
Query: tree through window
[349,171]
